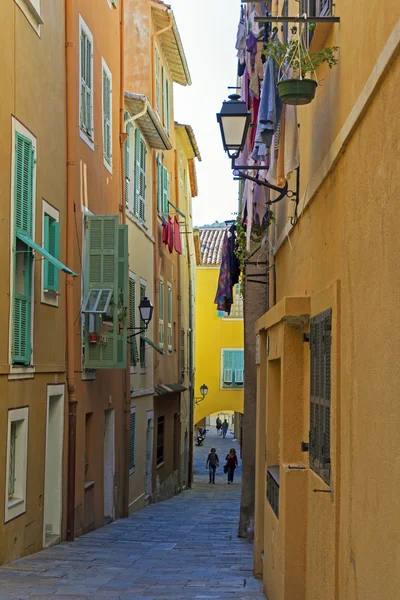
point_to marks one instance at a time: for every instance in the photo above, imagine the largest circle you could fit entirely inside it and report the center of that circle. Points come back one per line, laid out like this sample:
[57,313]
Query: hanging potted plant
[296,63]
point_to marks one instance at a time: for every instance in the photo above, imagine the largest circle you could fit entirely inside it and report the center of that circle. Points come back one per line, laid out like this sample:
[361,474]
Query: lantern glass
[146,310]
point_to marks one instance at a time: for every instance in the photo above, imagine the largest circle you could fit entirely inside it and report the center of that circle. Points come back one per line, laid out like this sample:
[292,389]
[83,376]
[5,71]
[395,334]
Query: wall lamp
[203,392]
[234,122]
[146,312]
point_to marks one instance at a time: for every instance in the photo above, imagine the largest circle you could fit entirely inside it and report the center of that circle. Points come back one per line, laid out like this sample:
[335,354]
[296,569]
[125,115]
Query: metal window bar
[273,492]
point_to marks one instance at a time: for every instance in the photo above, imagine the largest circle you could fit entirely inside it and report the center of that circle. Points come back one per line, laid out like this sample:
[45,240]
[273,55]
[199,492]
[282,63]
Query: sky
[208,31]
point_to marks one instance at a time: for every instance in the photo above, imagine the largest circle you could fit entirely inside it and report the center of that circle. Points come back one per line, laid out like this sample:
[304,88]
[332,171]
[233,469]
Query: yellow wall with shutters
[212,334]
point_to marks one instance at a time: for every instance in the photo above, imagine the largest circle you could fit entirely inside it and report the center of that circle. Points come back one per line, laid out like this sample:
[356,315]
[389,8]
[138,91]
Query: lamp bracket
[282,191]
[141,330]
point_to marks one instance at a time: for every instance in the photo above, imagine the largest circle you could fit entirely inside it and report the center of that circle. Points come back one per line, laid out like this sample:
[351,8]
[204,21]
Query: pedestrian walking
[231,464]
[212,464]
[225,427]
[218,425]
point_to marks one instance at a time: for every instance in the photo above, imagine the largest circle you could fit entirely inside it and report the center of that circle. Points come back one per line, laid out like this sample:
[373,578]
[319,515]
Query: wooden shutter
[23,184]
[320,393]
[22,292]
[108,269]
[142,335]
[169,317]
[158,83]
[140,177]
[165,197]
[127,161]
[161,314]
[160,184]
[132,434]
[238,366]
[227,368]
[86,83]
[134,357]
[165,97]
[51,244]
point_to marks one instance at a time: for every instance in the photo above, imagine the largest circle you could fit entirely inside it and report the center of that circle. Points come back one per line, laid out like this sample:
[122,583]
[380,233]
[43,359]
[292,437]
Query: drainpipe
[191,369]
[70,208]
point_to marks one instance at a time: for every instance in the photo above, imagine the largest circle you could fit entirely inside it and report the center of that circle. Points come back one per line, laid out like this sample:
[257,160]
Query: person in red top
[231,464]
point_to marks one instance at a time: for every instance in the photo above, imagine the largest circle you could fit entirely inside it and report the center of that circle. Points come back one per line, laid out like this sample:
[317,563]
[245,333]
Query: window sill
[12,503]
[160,465]
[143,372]
[21,372]
[86,139]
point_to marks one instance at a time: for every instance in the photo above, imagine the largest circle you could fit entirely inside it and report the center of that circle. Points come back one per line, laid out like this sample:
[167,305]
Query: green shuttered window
[132,434]
[166,191]
[134,357]
[142,335]
[161,314]
[107,106]
[23,257]
[232,375]
[86,72]
[127,166]
[169,317]
[320,394]
[52,246]
[140,177]
[158,83]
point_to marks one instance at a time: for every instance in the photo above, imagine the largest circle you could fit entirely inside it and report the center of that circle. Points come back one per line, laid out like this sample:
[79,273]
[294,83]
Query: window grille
[273,489]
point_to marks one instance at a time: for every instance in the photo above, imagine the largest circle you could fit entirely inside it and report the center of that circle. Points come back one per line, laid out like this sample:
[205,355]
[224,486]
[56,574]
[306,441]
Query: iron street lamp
[234,121]
[146,313]
[203,392]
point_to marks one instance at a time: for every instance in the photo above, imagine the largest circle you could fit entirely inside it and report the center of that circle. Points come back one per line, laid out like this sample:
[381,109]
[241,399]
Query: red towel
[177,236]
[170,227]
[164,231]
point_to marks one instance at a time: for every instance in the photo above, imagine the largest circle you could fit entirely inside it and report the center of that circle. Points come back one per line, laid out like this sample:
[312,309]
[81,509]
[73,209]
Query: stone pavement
[182,548]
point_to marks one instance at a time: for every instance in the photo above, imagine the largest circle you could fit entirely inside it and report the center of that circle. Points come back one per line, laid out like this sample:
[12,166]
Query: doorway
[149,453]
[53,466]
[109,465]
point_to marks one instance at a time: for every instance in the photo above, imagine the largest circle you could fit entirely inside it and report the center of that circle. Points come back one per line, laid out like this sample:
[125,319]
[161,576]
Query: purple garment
[269,113]
[223,298]
[251,48]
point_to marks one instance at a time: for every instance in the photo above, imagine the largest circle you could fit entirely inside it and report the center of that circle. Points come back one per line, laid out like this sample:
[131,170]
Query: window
[86,79]
[161,314]
[158,83]
[132,433]
[166,85]
[107,116]
[237,307]
[160,440]
[169,317]
[23,181]
[128,166]
[17,451]
[183,358]
[142,335]
[232,369]
[162,188]
[133,350]
[166,192]
[273,489]
[140,177]
[320,394]
[51,244]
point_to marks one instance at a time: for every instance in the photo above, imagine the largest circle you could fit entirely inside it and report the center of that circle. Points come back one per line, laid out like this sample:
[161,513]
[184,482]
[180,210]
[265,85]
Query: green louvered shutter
[52,245]
[86,83]
[165,194]
[161,314]
[106,117]
[238,368]
[165,97]
[108,269]
[227,368]
[134,357]
[128,168]
[158,88]
[132,434]
[160,187]
[22,295]
[142,181]
[142,347]
[137,173]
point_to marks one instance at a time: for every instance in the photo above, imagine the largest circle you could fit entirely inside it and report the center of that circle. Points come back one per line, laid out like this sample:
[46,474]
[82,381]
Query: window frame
[32,13]
[107,160]
[16,506]
[160,446]
[140,183]
[157,71]
[88,139]
[233,385]
[161,305]
[49,297]
[142,340]
[133,351]
[169,318]
[18,369]
[132,453]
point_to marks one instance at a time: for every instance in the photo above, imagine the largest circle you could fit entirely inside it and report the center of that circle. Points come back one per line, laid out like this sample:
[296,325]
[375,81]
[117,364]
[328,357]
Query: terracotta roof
[171,42]
[211,240]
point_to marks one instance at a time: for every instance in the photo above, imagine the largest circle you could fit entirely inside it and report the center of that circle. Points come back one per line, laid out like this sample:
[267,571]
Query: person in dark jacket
[231,464]
[212,464]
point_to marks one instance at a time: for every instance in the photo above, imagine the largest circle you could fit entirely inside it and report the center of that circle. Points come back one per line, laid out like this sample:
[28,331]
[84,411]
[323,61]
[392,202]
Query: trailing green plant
[258,233]
[294,55]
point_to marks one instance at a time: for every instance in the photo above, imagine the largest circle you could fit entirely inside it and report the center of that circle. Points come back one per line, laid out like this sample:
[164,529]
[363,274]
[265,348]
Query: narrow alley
[185,547]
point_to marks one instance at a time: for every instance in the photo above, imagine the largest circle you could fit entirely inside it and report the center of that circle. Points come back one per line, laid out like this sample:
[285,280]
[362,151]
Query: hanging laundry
[164,231]
[251,47]
[170,235]
[177,236]
[234,264]
[255,111]
[292,157]
[269,112]
[223,298]
[241,36]
[241,68]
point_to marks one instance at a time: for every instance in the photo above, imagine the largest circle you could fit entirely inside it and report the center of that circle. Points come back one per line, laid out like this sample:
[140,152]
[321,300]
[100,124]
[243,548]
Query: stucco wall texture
[344,253]
[212,334]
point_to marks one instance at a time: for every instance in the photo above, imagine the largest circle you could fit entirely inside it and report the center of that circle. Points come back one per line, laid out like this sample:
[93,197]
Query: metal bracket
[282,191]
[304,446]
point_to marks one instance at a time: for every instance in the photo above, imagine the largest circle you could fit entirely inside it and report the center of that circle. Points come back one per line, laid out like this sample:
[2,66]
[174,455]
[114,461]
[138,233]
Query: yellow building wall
[212,334]
[342,254]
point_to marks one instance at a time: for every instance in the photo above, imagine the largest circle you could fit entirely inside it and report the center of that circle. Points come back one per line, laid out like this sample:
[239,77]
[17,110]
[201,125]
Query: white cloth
[292,158]
[241,38]
[252,25]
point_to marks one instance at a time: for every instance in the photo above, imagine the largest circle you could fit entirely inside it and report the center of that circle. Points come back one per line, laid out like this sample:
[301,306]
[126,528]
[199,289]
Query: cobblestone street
[185,547]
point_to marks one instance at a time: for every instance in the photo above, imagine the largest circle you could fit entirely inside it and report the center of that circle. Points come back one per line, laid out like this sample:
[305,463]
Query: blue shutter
[238,367]
[227,368]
